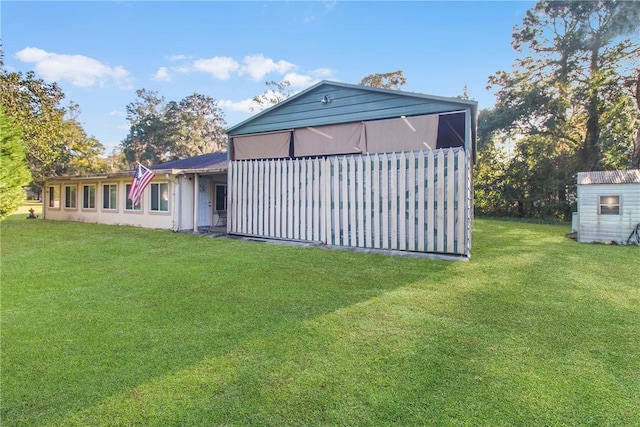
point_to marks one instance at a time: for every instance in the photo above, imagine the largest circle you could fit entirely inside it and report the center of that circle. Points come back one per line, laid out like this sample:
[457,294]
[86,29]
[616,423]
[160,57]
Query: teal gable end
[335,103]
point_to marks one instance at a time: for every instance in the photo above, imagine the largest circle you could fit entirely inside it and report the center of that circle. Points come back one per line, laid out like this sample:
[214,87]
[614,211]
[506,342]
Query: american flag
[141,178]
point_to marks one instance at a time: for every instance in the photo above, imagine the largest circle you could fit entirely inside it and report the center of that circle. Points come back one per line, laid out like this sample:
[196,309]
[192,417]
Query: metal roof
[210,161]
[609,177]
[333,103]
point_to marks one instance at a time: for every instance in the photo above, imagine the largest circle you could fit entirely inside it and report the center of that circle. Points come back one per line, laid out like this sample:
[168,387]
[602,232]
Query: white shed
[608,205]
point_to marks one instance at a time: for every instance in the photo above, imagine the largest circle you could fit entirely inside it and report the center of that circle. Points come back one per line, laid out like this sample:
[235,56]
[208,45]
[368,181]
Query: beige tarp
[262,146]
[345,138]
[402,134]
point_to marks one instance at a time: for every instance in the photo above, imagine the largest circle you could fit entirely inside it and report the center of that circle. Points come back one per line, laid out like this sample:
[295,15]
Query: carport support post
[196,186]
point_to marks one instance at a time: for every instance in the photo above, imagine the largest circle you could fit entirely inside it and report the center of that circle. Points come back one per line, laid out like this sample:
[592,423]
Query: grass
[119,326]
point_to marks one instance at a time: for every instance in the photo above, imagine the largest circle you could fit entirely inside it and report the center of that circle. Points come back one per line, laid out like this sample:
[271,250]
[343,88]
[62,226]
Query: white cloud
[323,73]
[178,57]
[220,66]
[116,113]
[80,70]
[244,106]
[298,80]
[257,66]
[162,75]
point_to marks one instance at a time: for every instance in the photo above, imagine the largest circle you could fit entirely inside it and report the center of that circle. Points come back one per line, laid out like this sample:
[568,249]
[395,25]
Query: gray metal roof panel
[348,103]
[631,176]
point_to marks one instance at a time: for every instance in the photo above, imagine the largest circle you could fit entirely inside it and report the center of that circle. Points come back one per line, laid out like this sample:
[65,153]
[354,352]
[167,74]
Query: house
[353,166]
[186,194]
[608,205]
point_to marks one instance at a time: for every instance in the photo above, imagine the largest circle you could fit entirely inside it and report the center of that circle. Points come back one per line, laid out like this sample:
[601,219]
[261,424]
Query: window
[89,196]
[221,197]
[129,206]
[70,196]
[109,196]
[609,205]
[160,197]
[54,197]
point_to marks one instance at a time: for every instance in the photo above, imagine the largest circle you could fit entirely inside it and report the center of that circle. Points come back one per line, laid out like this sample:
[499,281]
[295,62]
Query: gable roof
[209,161]
[333,103]
[609,177]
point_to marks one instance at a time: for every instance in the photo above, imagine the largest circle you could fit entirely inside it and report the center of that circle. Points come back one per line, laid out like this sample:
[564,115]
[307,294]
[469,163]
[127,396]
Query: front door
[205,215]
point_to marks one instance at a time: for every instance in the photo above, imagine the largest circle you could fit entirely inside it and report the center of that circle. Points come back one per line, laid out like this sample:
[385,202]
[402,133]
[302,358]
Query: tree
[567,105]
[14,172]
[392,80]
[161,131]
[148,141]
[54,144]
[199,125]
[276,93]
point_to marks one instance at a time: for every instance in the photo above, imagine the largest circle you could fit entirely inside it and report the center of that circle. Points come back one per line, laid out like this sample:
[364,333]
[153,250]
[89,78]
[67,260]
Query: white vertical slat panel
[361,213]
[310,199]
[260,196]
[384,202]
[289,194]
[402,202]
[375,199]
[351,204]
[420,228]
[460,201]
[393,196]
[367,207]
[335,201]
[272,198]
[431,197]
[251,189]
[411,188]
[450,215]
[243,197]
[303,199]
[231,197]
[325,198]
[278,198]
[344,199]
[440,230]
[317,200]
[295,195]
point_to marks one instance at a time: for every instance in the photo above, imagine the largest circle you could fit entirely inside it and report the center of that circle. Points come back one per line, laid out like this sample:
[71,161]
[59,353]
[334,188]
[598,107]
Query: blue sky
[101,52]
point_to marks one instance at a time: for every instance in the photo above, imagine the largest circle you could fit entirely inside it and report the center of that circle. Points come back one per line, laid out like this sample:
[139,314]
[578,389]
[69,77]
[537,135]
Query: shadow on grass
[91,311]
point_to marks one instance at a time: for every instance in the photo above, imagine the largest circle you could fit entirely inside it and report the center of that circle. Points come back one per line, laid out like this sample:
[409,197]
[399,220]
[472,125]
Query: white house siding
[117,216]
[594,227]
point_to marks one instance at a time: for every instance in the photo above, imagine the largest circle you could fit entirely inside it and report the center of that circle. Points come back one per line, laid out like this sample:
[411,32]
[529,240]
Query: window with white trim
[159,197]
[70,196]
[609,205]
[109,196]
[89,196]
[54,197]
[129,206]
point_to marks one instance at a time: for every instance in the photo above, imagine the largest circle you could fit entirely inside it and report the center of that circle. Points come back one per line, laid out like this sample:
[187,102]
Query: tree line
[571,103]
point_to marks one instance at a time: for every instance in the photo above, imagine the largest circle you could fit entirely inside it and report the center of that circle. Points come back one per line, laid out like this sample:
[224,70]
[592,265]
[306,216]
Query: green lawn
[105,325]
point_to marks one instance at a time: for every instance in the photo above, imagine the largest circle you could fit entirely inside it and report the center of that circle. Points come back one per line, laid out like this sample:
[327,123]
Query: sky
[100,53]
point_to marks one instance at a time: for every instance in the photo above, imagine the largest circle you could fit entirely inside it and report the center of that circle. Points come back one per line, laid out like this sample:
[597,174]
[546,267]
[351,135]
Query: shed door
[204,202]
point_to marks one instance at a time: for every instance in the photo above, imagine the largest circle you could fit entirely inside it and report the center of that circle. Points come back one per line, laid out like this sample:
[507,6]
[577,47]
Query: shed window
[609,205]
[54,197]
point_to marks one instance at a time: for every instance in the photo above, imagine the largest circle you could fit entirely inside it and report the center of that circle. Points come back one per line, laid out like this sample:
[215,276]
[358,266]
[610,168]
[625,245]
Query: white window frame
[85,205]
[155,190]
[111,199]
[53,194]
[128,204]
[71,200]
[612,204]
